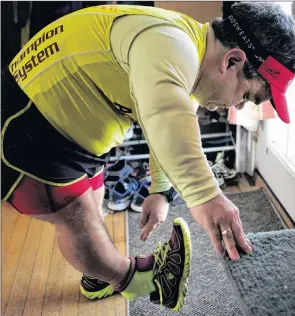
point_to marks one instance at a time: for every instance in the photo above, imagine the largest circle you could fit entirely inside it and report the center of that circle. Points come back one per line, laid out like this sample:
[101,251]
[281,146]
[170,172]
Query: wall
[280,179]
[201,11]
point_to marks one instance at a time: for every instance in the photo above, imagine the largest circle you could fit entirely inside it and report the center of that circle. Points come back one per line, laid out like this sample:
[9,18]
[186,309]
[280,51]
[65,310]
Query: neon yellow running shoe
[172,267]
[163,274]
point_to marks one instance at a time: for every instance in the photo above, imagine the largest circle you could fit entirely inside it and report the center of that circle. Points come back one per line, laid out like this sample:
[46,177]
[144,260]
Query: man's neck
[211,56]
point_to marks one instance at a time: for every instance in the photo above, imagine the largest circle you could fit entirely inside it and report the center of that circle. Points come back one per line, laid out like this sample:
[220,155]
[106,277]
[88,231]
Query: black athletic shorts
[32,148]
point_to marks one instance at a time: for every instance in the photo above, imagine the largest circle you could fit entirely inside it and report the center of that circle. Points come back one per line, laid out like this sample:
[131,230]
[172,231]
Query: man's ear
[234,57]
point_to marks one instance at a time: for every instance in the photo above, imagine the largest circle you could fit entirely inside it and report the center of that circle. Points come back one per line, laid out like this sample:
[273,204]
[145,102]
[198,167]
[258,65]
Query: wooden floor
[36,279]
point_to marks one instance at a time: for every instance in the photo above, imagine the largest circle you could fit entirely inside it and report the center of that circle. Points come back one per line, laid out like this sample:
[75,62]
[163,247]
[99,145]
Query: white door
[275,160]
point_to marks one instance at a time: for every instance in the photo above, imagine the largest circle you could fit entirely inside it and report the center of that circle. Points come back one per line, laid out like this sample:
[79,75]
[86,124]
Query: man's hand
[154,212]
[220,217]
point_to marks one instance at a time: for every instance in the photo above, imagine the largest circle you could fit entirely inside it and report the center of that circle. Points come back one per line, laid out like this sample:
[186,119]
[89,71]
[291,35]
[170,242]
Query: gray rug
[210,291]
[264,281]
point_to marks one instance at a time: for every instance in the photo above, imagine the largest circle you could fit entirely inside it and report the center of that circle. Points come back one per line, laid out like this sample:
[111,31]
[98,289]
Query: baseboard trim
[280,208]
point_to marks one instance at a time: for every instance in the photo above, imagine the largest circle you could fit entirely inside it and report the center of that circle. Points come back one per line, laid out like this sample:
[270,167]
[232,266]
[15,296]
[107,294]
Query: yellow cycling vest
[69,71]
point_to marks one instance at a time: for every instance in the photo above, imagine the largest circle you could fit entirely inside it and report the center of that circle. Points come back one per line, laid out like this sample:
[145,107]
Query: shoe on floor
[165,273]
[94,289]
[129,135]
[117,171]
[140,195]
[143,172]
[220,180]
[222,171]
[121,194]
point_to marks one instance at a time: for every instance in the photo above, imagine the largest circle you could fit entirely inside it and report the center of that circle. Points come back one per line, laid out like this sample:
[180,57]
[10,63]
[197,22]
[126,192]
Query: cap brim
[280,104]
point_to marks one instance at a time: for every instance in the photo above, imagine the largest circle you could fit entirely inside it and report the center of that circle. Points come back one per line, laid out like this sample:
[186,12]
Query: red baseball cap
[276,74]
[279,78]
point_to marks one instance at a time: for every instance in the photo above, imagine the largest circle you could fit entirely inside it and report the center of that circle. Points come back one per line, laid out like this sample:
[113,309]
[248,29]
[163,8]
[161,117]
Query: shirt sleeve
[160,181]
[163,69]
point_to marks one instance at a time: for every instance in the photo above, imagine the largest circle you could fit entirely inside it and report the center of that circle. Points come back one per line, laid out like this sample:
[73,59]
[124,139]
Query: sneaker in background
[140,195]
[117,171]
[114,173]
[121,194]
[218,176]
[220,180]
[219,168]
[129,135]
[143,173]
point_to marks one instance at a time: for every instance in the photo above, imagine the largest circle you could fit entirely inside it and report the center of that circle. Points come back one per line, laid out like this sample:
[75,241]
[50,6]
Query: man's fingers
[238,228]
[148,230]
[215,238]
[229,241]
[240,237]
[144,219]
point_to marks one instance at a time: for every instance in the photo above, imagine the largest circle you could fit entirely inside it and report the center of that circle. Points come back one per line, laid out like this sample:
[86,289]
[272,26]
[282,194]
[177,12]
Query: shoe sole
[232,180]
[136,208]
[118,207]
[108,291]
[187,262]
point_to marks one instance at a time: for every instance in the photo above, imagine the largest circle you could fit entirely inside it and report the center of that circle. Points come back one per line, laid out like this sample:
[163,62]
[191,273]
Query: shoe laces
[220,167]
[160,255]
[133,184]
